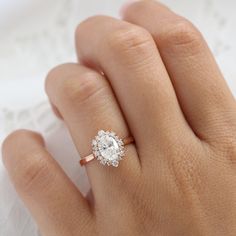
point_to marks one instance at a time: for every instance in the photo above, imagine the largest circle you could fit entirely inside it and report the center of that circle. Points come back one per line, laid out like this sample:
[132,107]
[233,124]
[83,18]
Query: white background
[35,36]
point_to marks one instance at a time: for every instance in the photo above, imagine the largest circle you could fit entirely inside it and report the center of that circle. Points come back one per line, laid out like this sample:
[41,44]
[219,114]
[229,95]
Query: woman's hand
[161,84]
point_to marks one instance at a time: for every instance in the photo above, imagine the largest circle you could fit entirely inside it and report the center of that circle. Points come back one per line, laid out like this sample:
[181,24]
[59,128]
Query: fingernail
[126,6]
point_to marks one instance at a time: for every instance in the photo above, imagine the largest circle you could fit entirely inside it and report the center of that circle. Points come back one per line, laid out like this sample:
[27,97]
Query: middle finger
[127,54]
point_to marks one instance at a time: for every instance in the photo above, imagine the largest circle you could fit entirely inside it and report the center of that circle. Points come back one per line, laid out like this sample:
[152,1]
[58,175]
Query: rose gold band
[91,157]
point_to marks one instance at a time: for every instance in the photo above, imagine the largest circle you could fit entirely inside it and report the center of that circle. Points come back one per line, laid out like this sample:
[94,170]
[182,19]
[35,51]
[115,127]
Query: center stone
[109,148]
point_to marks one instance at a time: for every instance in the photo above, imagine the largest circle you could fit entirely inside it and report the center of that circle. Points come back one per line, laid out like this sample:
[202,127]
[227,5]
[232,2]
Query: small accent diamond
[94,143]
[103,161]
[101,133]
[115,163]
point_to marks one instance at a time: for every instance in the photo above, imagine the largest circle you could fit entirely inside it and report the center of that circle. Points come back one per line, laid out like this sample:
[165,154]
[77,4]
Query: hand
[161,84]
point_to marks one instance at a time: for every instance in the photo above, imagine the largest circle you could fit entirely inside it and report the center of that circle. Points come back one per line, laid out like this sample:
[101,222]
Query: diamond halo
[108,148]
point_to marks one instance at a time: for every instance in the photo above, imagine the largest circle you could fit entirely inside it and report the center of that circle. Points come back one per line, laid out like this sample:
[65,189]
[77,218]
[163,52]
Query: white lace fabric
[37,35]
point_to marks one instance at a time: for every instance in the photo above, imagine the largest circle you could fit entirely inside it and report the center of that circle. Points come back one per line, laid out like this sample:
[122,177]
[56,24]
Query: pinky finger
[55,203]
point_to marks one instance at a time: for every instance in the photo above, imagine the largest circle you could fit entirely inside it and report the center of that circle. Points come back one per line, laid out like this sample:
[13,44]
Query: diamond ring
[107,148]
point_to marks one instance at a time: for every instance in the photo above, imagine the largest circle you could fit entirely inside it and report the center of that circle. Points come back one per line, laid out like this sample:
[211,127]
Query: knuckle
[30,168]
[78,91]
[128,38]
[184,165]
[18,134]
[55,73]
[182,35]
[15,138]
[10,139]
[35,172]
[89,20]
[225,146]
[221,137]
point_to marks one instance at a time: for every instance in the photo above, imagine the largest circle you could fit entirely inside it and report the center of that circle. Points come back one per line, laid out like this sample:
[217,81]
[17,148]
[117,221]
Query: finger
[56,112]
[202,92]
[87,105]
[54,201]
[128,56]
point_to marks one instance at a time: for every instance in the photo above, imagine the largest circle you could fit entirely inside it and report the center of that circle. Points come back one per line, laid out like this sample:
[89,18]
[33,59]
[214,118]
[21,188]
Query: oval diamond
[110,148]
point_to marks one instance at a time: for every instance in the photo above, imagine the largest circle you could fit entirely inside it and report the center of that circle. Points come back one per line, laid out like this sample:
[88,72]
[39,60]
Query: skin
[163,86]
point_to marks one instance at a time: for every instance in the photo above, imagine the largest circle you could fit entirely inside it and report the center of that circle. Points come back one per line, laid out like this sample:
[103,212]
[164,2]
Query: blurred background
[37,35]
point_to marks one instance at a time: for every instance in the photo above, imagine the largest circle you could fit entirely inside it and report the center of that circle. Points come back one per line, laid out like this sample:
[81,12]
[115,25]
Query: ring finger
[87,104]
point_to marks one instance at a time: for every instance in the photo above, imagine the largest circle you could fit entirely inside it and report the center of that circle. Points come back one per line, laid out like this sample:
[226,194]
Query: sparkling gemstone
[101,133]
[115,163]
[103,161]
[121,142]
[122,153]
[109,148]
[94,142]
[96,153]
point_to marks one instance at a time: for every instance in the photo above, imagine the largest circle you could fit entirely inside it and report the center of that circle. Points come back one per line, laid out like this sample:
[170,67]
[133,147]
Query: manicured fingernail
[126,6]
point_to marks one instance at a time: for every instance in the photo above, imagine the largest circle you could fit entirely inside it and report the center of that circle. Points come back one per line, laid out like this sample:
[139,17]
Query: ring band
[107,148]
